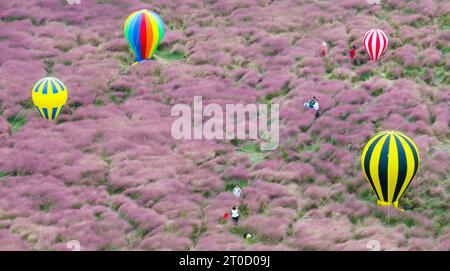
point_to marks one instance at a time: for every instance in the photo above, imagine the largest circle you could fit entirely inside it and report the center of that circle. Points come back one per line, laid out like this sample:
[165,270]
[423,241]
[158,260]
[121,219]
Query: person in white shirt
[235,215]
[313,104]
[237,191]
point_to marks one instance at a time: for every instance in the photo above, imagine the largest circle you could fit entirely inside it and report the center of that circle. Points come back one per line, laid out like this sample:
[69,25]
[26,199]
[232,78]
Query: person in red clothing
[352,52]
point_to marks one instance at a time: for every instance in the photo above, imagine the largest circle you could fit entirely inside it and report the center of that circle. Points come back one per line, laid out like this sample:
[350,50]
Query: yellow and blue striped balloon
[390,161]
[144,31]
[49,96]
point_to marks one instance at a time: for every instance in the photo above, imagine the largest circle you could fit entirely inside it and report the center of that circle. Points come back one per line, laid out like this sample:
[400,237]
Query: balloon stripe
[44,90]
[38,85]
[152,36]
[59,111]
[374,165]
[128,35]
[132,34]
[155,37]
[60,84]
[148,34]
[384,42]
[367,158]
[55,90]
[45,112]
[370,42]
[136,34]
[54,112]
[410,165]
[383,167]
[143,36]
[378,44]
[402,168]
[374,45]
[393,166]
[413,149]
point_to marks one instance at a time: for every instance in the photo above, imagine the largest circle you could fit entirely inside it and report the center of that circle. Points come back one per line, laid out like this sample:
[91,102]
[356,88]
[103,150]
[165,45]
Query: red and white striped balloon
[375,42]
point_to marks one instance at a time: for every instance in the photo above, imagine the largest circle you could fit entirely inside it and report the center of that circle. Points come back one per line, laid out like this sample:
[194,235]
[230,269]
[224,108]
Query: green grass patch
[283,92]
[67,63]
[413,72]
[314,147]
[377,92]
[257,237]
[253,151]
[395,220]
[355,219]
[114,190]
[49,67]
[125,61]
[169,55]
[140,232]
[445,50]
[197,232]
[100,2]
[368,195]
[120,94]
[235,142]
[444,22]
[229,185]
[109,247]
[9,19]
[441,75]
[340,198]
[410,11]
[243,210]
[7,217]
[134,195]
[17,121]
[77,205]
[99,102]
[365,76]
[45,206]
[59,238]
[240,231]
[329,67]
[3,174]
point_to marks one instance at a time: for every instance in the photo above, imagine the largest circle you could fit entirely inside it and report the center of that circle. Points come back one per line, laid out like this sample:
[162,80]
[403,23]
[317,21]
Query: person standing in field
[352,52]
[323,50]
[313,104]
[235,215]
[237,191]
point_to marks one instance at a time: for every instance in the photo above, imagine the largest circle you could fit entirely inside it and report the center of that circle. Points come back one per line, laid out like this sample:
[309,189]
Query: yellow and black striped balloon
[390,161]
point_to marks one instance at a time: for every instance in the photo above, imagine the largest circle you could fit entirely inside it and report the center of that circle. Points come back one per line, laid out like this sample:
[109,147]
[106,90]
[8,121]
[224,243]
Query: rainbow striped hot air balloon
[375,43]
[144,31]
[49,96]
[390,161]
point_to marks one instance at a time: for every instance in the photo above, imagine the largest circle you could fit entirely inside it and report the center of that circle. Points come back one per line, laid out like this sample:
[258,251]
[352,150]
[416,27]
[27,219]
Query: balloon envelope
[375,43]
[144,31]
[390,161]
[49,96]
